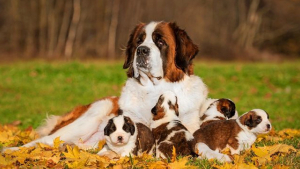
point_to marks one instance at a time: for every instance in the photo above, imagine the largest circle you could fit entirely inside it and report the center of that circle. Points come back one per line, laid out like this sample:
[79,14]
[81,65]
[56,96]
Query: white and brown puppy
[220,109]
[168,130]
[237,135]
[125,137]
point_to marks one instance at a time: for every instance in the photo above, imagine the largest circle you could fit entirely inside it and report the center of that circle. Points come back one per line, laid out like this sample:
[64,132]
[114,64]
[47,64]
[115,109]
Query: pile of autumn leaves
[260,155]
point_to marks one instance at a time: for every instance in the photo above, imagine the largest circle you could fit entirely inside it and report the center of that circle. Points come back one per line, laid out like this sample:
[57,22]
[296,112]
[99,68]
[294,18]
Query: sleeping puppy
[220,109]
[237,135]
[125,137]
[167,128]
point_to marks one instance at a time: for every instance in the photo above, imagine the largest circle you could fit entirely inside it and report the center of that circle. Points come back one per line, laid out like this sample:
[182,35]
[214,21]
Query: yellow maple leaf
[72,152]
[181,164]
[57,142]
[157,165]
[264,153]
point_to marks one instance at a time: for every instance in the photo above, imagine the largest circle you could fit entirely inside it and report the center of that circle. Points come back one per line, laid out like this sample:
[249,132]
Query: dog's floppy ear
[108,128]
[186,50]
[130,50]
[130,124]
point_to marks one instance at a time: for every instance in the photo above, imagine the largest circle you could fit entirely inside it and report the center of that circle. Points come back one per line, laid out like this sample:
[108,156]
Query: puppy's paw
[225,158]
[110,154]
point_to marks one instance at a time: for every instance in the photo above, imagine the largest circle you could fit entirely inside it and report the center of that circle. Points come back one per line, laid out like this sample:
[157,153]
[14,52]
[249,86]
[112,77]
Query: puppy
[125,137]
[237,135]
[221,109]
[167,128]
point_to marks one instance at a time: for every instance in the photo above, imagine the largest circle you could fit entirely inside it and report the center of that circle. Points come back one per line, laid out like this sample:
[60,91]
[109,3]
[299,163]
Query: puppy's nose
[143,51]
[268,126]
[120,138]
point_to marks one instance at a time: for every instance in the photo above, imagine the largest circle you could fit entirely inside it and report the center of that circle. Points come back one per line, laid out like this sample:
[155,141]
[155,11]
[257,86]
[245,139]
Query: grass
[31,90]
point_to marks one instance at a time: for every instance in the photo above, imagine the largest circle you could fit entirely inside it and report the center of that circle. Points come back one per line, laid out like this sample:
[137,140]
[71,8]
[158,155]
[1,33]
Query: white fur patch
[137,101]
[205,152]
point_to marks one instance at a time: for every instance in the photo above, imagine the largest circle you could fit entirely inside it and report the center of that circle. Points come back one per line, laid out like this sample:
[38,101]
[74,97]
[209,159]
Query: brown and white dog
[237,135]
[167,129]
[219,109]
[125,137]
[158,58]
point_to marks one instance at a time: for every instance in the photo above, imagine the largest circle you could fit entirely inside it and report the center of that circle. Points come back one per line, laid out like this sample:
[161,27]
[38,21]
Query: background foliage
[231,29]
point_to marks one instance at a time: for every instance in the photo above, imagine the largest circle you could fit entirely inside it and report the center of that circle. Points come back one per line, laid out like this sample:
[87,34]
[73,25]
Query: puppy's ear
[154,110]
[186,50]
[130,124]
[107,129]
[120,112]
[130,50]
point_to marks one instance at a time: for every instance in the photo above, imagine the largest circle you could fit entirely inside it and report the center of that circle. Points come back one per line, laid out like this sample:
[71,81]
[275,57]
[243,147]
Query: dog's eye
[139,41]
[258,120]
[160,42]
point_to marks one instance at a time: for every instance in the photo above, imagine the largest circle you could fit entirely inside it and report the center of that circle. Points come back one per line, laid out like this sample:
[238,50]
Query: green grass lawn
[31,90]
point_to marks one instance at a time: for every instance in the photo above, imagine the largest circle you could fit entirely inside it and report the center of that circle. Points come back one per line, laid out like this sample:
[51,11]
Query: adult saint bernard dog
[158,58]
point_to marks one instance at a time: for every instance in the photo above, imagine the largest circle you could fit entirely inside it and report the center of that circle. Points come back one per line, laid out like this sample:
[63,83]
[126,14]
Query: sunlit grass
[30,90]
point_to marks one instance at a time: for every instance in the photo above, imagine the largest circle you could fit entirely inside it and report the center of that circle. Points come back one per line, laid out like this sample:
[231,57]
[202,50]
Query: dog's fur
[167,129]
[158,58]
[221,109]
[237,135]
[125,137]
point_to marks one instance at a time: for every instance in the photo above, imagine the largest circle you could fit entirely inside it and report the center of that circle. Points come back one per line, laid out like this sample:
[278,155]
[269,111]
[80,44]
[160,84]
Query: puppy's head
[119,130]
[226,107]
[166,106]
[257,121]
[222,108]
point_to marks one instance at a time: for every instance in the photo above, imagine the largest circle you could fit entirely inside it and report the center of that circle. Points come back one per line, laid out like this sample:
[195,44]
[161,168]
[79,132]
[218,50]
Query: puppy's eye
[258,120]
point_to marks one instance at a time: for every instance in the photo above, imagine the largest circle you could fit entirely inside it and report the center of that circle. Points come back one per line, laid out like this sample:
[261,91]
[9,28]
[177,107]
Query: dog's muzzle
[142,59]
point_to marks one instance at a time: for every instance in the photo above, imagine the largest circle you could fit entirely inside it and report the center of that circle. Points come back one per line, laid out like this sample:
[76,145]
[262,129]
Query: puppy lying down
[168,130]
[125,137]
[237,135]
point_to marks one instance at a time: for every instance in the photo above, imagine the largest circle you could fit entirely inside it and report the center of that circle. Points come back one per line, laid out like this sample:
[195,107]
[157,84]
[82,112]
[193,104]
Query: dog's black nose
[120,138]
[143,51]
[268,126]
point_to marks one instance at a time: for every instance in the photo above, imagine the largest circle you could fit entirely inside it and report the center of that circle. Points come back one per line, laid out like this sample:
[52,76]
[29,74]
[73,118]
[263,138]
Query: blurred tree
[232,29]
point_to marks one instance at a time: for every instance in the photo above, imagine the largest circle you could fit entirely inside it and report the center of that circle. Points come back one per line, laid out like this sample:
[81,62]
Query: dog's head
[257,121]
[166,107]
[159,50]
[119,130]
[221,108]
[226,107]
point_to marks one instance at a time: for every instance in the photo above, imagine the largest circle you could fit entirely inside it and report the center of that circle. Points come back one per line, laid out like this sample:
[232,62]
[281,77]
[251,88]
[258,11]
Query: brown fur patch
[145,140]
[218,134]
[179,141]
[203,117]
[131,47]
[78,111]
[160,113]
